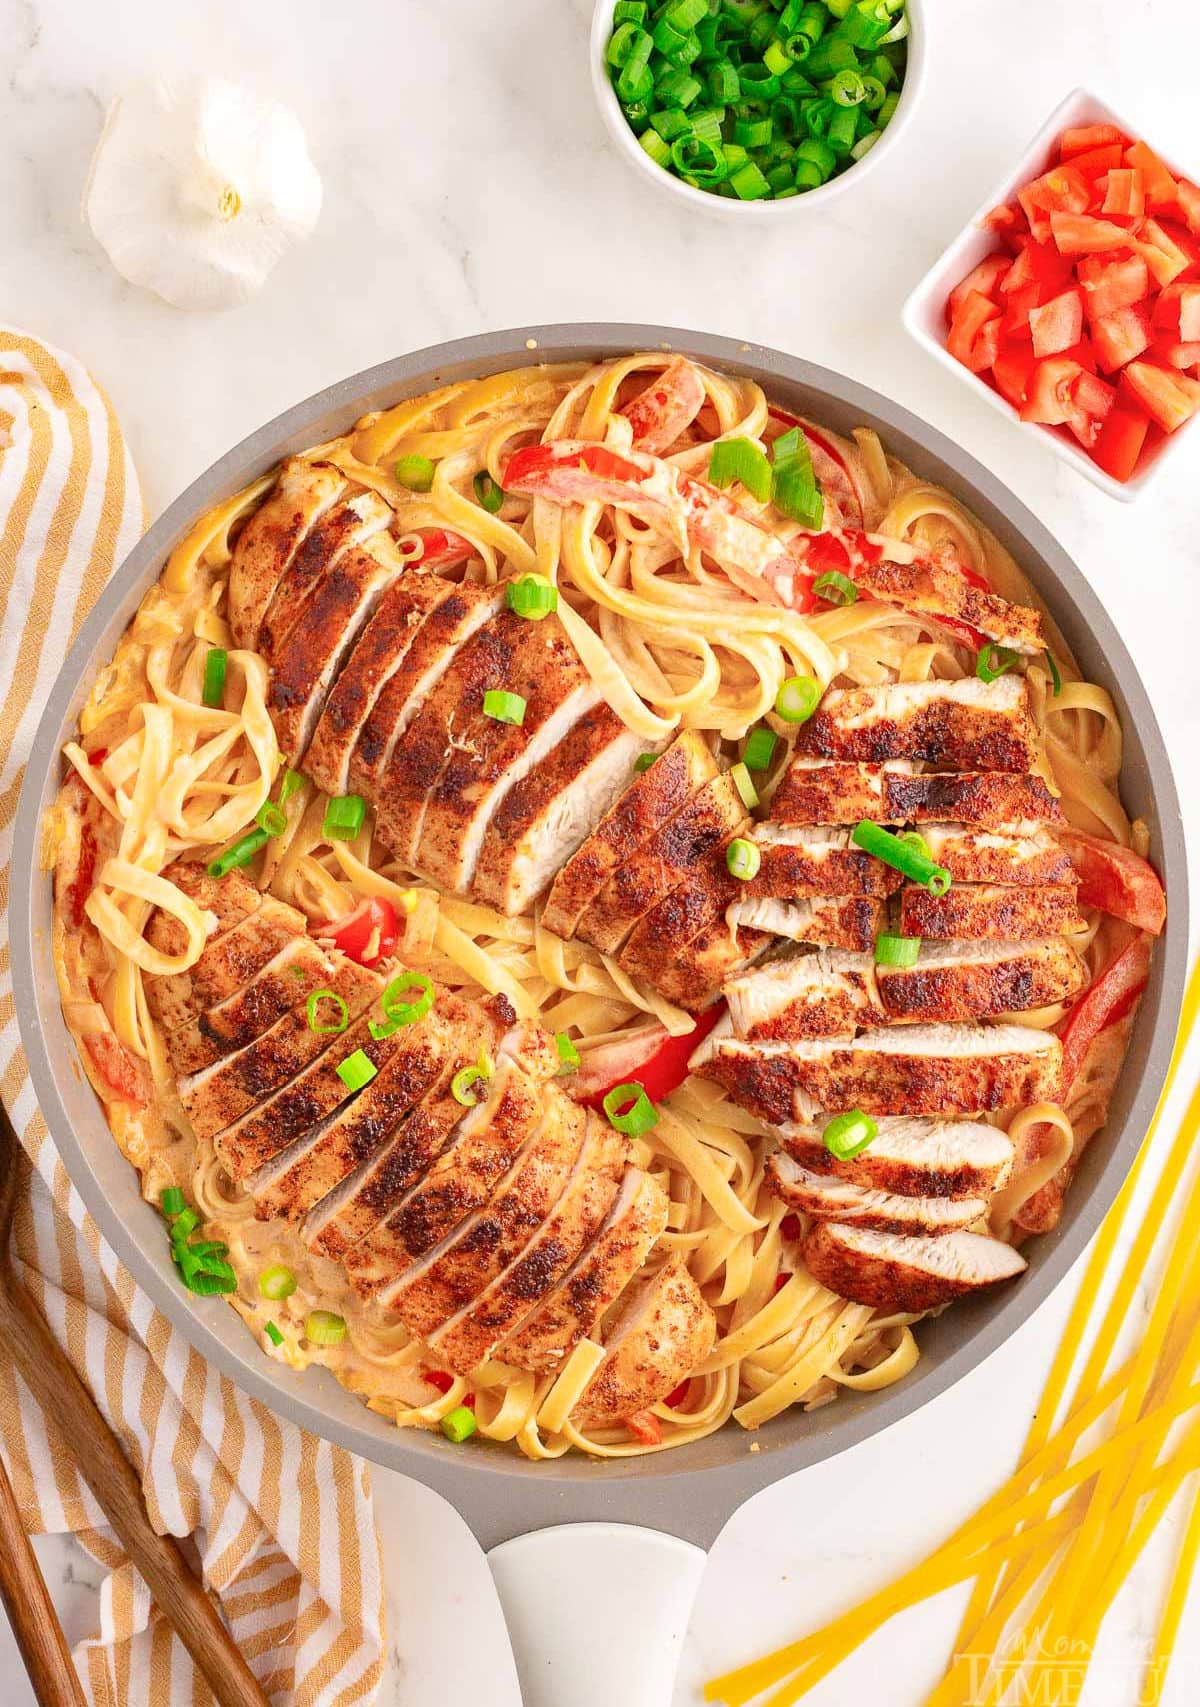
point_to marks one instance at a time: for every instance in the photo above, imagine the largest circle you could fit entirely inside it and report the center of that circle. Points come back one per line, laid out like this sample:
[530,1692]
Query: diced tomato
[1167,307]
[1008,219]
[1119,442]
[368,934]
[659,1067]
[116,1068]
[1165,259]
[678,1394]
[1097,163]
[1119,338]
[1185,356]
[987,278]
[1161,188]
[986,348]
[1061,189]
[437,1378]
[1084,353]
[1189,318]
[1188,197]
[1117,880]
[1108,1000]
[1021,304]
[1167,397]
[1011,370]
[667,407]
[645,1428]
[1093,396]
[1124,193]
[1110,282]
[1079,139]
[974,311]
[1083,234]
[791,1228]
[1038,264]
[1057,324]
[1049,398]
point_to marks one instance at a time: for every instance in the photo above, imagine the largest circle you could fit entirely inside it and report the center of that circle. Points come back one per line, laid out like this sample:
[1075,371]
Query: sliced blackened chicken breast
[284,983]
[896,1273]
[335,535]
[830,921]
[975,725]
[270,539]
[991,911]
[915,1158]
[546,815]
[829,1198]
[1023,854]
[795,861]
[813,792]
[827,994]
[653,797]
[661,1329]
[687,945]
[229,961]
[979,980]
[942,590]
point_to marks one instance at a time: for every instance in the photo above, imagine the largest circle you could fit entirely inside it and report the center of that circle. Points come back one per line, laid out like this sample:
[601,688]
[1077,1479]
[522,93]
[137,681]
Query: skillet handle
[596,1612]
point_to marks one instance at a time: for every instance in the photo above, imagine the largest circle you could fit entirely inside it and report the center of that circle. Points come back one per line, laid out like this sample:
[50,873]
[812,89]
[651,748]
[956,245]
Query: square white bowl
[924,313]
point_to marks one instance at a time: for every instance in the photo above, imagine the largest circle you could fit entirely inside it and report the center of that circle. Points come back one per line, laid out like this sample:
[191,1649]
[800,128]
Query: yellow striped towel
[283,1522]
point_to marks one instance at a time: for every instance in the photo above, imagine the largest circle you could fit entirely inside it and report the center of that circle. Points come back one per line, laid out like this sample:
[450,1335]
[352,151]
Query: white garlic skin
[198,187]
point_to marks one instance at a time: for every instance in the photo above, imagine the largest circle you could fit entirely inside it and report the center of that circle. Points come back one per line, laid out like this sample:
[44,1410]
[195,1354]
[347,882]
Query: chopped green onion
[459,1424]
[172,1202]
[684,15]
[896,950]
[273,1334]
[399,1012]
[901,855]
[835,588]
[818,155]
[241,853]
[741,459]
[847,88]
[341,1012]
[741,780]
[415,473]
[487,493]
[843,129]
[292,782]
[655,147]
[344,816]
[994,661]
[1055,677]
[213,691]
[749,184]
[276,1282]
[753,133]
[504,707]
[797,495]
[208,1281]
[620,43]
[670,123]
[464,1086]
[184,1225]
[723,82]
[678,88]
[644,761]
[532,597]
[357,1070]
[865,144]
[797,699]
[777,58]
[271,818]
[742,858]
[888,109]
[758,83]
[322,1327]
[630,11]
[759,749]
[568,1055]
[697,157]
[629,1110]
[847,1135]
[914,839]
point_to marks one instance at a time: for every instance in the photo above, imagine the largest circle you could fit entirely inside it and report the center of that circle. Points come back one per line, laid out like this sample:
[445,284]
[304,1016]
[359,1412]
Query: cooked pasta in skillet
[599,904]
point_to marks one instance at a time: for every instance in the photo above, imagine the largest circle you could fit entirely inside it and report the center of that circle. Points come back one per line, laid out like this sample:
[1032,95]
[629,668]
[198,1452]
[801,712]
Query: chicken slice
[828,1198]
[596,1279]
[813,792]
[349,524]
[284,983]
[686,946]
[671,855]
[995,911]
[448,626]
[893,1273]
[541,821]
[827,994]
[979,980]
[661,1329]
[228,900]
[1013,853]
[974,725]
[378,653]
[916,1158]
[653,797]
[269,540]
[796,861]
[227,963]
[912,1069]
[831,921]
[941,590]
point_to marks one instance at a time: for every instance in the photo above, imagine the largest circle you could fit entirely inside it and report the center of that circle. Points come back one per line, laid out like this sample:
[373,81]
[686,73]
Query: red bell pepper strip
[367,935]
[667,407]
[85,875]
[443,550]
[438,1378]
[662,1067]
[1117,880]
[678,1394]
[116,1068]
[645,1428]
[1108,1000]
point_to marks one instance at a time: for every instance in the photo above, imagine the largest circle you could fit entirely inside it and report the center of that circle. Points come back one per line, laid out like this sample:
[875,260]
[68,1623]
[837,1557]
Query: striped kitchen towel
[283,1522]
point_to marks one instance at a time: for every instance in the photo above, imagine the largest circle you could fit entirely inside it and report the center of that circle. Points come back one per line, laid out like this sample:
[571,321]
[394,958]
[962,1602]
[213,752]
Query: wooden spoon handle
[96,1451]
[31,1612]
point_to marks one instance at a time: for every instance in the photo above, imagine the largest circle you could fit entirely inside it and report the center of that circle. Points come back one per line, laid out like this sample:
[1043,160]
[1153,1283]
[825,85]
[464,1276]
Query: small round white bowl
[765,212]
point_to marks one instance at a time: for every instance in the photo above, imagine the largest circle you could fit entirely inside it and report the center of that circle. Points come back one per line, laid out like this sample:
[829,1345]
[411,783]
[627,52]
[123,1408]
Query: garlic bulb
[197,188]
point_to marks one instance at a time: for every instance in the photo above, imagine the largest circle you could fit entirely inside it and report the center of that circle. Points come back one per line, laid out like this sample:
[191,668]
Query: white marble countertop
[469,185]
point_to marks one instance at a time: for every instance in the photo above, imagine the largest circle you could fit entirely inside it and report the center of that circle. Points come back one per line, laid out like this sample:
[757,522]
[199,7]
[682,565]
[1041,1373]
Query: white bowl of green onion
[752,108]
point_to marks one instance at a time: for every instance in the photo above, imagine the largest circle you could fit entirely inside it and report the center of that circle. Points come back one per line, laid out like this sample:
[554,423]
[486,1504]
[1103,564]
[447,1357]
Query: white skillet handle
[596,1612]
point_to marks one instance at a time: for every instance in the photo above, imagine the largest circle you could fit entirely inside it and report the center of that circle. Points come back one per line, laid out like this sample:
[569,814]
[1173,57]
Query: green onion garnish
[344,816]
[1055,677]
[629,1110]
[835,588]
[742,859]
[914,839]
[341,1018]
[397,1010]
[847,1135]
[172,1202]
[241,853]
[292,782]
[901,855]
[415,472]
[276,1282]
[797,699]
[322,1327]
[273,1334]
[759,749]
[184,1225]
[741,459]
[459,1424]
[213,691]
[488,494]
[897,950]
[504,707]
[994,661]
[568,1055]
[467,1085]
[644,761]
[357,1070]
[532,597]
[741,779]
[271,818]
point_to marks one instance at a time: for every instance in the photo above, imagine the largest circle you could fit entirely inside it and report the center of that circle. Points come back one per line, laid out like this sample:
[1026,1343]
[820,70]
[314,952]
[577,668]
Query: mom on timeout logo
[1033,1673]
